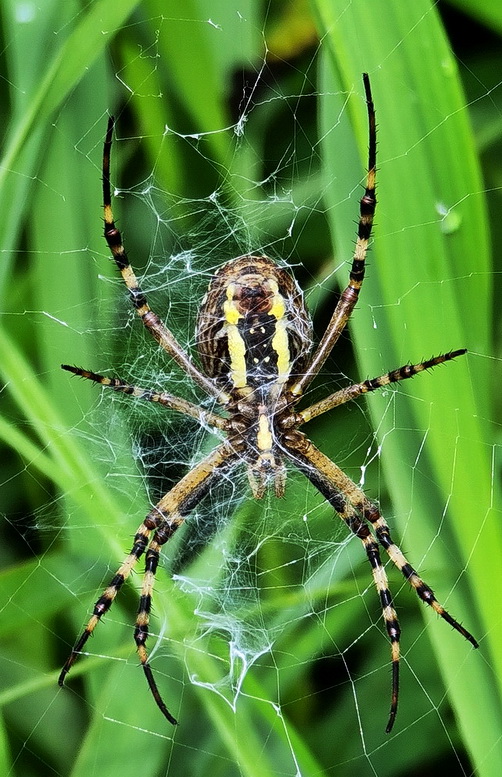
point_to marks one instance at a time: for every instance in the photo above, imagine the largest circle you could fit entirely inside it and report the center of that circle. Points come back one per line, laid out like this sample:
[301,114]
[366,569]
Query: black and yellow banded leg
[164,519]
[169,514]
[143,619]
[389,616]
[423,591]
[371,513]
[356,389]
[350,295]
[151,321]
[108,596]
[161,398]
[331,481]
[360,528]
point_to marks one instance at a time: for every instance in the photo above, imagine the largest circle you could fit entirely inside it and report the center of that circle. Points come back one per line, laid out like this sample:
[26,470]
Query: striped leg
[357,526]
[371,513]
[351,392]
[169,514]
[108,596]
[337,487]
[145,606]
[424,592]
[152,322]
[389,616]
[349,297]
[164,519]
[161,398]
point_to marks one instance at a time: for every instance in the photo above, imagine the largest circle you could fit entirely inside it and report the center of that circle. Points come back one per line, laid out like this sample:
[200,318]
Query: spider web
[266,627]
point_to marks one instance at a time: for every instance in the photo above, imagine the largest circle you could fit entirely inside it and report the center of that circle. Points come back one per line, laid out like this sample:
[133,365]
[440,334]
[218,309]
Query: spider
[254,342]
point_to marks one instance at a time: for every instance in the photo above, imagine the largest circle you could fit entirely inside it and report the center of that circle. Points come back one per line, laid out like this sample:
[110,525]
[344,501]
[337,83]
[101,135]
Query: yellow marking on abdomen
[236,344]
[280,342]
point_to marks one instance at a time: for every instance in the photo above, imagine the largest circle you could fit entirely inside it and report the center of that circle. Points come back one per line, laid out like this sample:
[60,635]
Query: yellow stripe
[236,345]
[264,437]
[278,308]
[108,214]
[280,342]
[230,310]
[280,345]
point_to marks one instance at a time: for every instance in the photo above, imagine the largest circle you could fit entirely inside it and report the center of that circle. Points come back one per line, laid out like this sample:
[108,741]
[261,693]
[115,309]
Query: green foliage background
[439,113]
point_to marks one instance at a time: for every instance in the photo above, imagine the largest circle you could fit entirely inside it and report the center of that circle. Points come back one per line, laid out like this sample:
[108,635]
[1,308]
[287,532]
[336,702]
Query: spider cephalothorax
[254,339]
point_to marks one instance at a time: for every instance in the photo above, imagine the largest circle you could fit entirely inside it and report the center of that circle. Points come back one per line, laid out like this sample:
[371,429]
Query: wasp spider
[254,343]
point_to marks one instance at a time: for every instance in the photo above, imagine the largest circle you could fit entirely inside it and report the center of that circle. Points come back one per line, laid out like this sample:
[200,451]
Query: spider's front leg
[164,519]
[151,320]
[369,510]
[350,295]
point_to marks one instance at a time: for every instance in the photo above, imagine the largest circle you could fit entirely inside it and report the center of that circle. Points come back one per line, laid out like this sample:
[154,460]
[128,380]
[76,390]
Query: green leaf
[428,261]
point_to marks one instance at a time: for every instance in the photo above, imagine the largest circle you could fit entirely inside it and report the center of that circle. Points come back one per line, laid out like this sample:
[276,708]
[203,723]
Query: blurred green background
[265,151]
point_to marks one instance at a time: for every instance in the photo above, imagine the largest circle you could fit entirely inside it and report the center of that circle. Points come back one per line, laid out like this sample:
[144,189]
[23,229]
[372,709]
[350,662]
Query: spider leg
[108,596]
[152,322]
[338,498]
[364,506]
[161,398]
[164,519]
[349,297]
[423,591]
[356,389]
[339,489]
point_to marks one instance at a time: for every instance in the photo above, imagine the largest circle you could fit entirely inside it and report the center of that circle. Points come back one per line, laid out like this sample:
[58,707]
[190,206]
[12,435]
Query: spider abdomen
[253,329]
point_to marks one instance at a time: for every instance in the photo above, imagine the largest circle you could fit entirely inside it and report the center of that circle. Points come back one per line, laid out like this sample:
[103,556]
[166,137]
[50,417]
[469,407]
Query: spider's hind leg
[306,459]
[164,519]
[424,592]
[365,507]
[361,515]
[108,596]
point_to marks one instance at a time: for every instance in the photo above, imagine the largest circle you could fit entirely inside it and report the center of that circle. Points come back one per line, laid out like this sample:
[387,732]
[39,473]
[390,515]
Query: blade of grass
[425,267]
